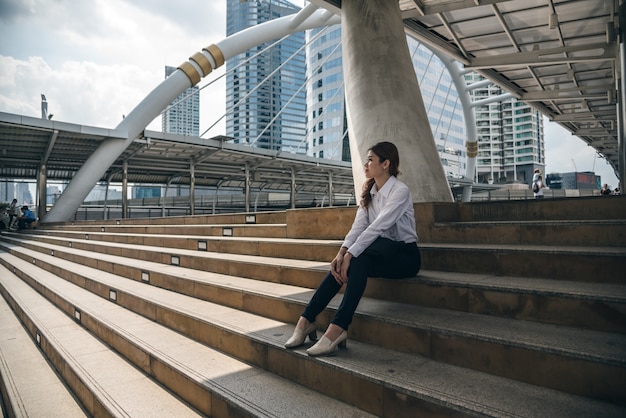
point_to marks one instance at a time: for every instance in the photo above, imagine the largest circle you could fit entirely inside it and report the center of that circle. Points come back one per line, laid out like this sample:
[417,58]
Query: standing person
[12,212]
[382,242]
[605,190]
[538,185]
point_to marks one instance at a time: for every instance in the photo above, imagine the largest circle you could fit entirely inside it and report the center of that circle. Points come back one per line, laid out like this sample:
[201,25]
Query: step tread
[548,287]
[271,240]
[568,341]
[577,222]
[521,248]
[121,387]
[169,226]
[413,374]
[263,393]
[31,384]
[518,248]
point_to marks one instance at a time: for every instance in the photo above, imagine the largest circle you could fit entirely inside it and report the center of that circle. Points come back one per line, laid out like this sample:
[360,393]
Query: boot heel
[313,335]
[343,344]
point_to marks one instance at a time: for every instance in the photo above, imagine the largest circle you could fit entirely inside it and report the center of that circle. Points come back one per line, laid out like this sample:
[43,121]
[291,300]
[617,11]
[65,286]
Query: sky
[96,60]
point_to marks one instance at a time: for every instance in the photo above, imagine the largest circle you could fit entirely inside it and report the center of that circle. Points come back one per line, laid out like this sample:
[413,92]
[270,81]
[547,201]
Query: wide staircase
[519,311]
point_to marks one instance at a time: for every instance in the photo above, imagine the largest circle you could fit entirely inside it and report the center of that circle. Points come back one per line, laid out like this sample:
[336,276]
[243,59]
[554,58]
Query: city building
[182,116]
[327,133]
[265,95]
[16,189]
[585,180]
[266,102]
[510,137]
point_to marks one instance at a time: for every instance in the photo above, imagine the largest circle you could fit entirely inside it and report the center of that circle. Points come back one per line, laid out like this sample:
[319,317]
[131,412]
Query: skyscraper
[510,137]
[327,132]
[265,97]
[183,115]
[327,127]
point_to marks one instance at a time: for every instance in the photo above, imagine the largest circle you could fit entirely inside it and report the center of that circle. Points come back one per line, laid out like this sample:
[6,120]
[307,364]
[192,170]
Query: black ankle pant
[383,258]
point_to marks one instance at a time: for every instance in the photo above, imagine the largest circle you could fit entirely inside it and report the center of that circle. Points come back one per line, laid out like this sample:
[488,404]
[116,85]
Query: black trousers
[383,258]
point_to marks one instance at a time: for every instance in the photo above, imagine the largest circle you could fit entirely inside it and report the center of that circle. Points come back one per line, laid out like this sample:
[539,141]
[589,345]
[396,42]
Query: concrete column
[331,188]
[42,182]
[293,189]
[125,191]
[192,186]
[621,99]
[383,99]
[247,187]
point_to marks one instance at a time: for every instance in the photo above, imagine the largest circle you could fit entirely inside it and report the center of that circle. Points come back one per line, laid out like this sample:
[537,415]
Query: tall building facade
[265,95]
[183,115]
[327,129]
[510,137]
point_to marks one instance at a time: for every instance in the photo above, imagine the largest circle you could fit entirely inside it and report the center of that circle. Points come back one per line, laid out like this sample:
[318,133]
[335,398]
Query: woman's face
[373,166]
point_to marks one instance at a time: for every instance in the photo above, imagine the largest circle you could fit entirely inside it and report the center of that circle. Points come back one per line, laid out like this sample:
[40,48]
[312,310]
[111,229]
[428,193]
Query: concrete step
[294,248]
[585,208]
[391,383]
[212,382]
[585,233]
[274,217]
[229,230]
[479,342]
[105,383]
[604,233]
[588,264]
[595,306]
[29,385]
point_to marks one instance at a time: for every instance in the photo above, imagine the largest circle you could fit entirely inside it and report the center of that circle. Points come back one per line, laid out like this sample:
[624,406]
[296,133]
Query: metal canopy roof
[161,158]
[560,56]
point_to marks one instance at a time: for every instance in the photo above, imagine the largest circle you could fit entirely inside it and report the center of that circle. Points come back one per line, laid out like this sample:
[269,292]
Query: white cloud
[567,153]
[95,61]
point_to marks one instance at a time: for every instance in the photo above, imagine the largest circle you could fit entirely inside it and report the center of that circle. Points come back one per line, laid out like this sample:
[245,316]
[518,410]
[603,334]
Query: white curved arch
[187,75]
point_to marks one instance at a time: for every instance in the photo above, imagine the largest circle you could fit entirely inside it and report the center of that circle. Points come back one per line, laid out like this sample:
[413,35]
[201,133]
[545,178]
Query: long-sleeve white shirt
[389,215]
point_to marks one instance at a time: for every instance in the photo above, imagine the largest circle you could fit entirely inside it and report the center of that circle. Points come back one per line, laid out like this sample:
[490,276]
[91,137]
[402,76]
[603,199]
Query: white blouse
[389,215]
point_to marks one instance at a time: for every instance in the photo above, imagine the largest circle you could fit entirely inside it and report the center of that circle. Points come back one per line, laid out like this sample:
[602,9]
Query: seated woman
[382,242]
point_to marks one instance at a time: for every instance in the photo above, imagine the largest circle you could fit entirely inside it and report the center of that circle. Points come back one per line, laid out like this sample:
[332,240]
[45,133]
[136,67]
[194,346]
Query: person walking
[382,242]
[13,213]
[537,185]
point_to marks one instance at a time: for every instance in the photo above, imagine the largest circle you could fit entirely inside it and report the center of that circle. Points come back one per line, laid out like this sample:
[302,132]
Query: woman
[382,242]
[538,185]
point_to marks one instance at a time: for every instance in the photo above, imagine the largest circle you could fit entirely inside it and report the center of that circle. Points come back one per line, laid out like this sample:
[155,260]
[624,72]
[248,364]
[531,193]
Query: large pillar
[192,186]
[42,191]
[125,191]
[621,101]
[383,99]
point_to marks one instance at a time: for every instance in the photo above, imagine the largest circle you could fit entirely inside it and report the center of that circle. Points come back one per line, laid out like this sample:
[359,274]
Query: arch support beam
[383,99]
[187,75]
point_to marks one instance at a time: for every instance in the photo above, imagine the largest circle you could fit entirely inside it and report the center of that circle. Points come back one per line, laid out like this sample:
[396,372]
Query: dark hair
[384,151]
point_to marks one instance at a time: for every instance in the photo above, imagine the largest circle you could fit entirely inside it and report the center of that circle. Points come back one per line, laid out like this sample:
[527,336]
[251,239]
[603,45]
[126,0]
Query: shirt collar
[386,187]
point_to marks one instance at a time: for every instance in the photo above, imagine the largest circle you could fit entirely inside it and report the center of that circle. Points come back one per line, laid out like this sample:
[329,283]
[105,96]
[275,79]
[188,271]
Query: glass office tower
[183,115]
[327,132]
[265,94]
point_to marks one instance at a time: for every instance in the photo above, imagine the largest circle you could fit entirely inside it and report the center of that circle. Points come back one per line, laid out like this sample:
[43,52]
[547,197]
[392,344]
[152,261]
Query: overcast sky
[96,60]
